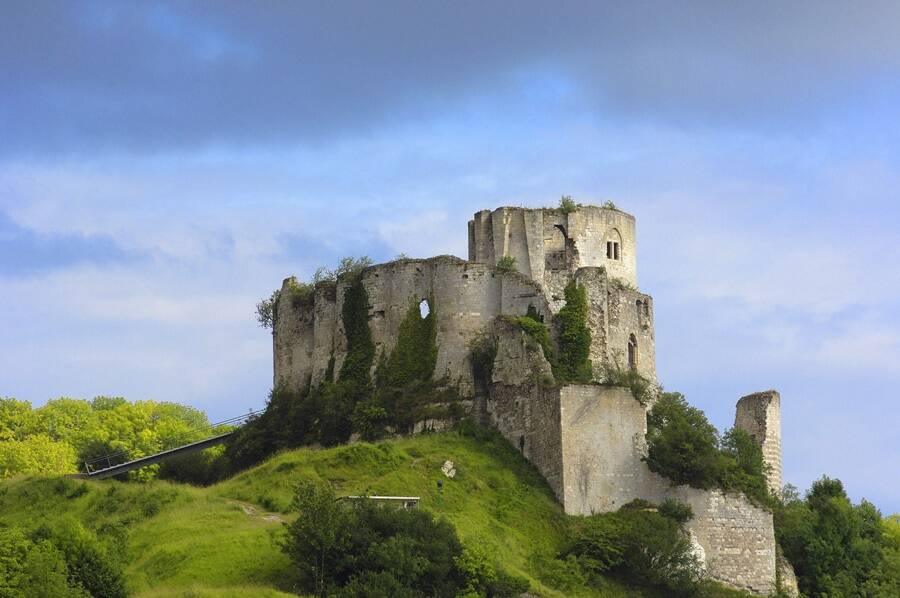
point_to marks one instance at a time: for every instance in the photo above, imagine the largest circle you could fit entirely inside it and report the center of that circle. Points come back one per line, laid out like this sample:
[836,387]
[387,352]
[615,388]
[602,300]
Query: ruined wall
[548,243]
[603,434]
[465,298]
[522,407]
[618,315]
[759,415]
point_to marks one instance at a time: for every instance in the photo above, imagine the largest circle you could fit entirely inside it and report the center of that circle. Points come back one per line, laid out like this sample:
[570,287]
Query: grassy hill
[180,540]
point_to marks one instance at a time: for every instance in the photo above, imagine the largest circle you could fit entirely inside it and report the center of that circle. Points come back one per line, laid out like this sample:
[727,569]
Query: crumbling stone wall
[522,406]
[618,315]
[465,298]
[759,414]
[603,445]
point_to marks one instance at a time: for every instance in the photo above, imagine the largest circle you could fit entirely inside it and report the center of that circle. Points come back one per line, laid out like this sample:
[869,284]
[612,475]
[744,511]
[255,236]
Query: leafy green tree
[836,548]
[319,535]
[33,569]
[16,418]
[37,454]
[682,444]
[638,545]
[362,549]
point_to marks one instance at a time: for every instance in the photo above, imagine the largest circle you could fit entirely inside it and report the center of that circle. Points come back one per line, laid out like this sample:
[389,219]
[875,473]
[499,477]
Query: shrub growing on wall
[507,263]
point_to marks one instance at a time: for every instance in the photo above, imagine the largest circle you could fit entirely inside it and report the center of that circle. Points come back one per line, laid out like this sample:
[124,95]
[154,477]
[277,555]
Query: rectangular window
[609,250]
[615,251]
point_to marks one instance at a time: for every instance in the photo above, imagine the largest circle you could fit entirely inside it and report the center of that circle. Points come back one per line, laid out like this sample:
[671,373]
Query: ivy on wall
[573,362]
[360,348]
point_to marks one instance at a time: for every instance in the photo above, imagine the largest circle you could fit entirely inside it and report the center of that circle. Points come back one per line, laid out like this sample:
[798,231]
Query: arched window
[613,245]
[632,353]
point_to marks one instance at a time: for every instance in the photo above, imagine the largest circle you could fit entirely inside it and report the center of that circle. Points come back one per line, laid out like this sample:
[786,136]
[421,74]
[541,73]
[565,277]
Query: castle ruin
[587,440]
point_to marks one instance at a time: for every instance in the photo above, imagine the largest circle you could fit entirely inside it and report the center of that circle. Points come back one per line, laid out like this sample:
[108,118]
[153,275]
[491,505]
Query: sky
[164,165]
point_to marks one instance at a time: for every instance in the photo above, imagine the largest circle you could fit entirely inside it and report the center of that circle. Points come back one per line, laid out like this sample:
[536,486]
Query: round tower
[759,414]
[546,241]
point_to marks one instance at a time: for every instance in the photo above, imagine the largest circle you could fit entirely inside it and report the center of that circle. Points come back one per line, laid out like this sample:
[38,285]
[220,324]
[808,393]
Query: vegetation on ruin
[684,447]
[300,294]
[482,353]
[573,362]
[401,395]
[567,205]
[609,205]
[622,285]
[643,389]
[536,331]
[507,263]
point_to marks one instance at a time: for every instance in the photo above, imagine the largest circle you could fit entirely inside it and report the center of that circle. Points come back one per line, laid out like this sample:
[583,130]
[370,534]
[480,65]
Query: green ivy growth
[415,353]
[404,385]
[360,348]
[573,363]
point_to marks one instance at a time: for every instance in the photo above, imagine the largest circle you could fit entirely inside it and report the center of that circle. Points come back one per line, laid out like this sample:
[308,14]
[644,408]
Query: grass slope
[223,540]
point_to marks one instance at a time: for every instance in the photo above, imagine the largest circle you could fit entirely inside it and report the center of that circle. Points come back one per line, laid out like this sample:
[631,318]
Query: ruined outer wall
[465,298]
[759,415]
[603,434]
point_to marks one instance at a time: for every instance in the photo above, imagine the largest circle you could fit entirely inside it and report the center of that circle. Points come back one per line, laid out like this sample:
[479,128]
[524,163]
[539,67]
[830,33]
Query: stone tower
[759,414]
[593,245]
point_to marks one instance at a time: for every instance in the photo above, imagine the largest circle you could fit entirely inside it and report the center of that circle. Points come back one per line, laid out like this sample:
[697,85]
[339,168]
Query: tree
[319,534]
[38,454]
[683,445]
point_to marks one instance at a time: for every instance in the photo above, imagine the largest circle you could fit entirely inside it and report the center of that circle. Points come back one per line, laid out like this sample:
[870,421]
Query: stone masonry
[588,441]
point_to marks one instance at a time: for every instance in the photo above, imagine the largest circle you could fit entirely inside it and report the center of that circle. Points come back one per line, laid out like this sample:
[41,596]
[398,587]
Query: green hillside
[222,540]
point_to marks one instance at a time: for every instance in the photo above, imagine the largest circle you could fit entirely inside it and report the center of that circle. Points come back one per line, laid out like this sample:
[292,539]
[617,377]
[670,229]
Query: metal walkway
[104,467]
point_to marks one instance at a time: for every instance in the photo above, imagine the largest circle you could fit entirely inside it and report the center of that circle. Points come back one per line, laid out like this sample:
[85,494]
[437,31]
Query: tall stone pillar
[759,414]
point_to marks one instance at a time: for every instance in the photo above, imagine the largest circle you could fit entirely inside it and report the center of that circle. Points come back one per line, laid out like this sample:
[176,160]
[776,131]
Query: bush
[638,545]
[676,510]
[362,548]
[567,205]
[507,263]
[484,579]
[88,563]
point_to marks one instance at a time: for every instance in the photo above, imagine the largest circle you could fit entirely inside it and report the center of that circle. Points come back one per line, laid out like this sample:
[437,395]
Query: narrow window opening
[522,443]
[609,250]
[632,353]
[424,308]
[615,251]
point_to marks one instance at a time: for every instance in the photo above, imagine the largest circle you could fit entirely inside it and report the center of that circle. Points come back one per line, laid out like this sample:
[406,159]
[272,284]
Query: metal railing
[102,463]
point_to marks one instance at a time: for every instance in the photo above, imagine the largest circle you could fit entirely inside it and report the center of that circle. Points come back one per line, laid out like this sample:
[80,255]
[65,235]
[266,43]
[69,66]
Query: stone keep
[588,441]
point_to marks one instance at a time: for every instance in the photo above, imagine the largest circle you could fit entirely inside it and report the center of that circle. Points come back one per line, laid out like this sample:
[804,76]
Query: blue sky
[163,166]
